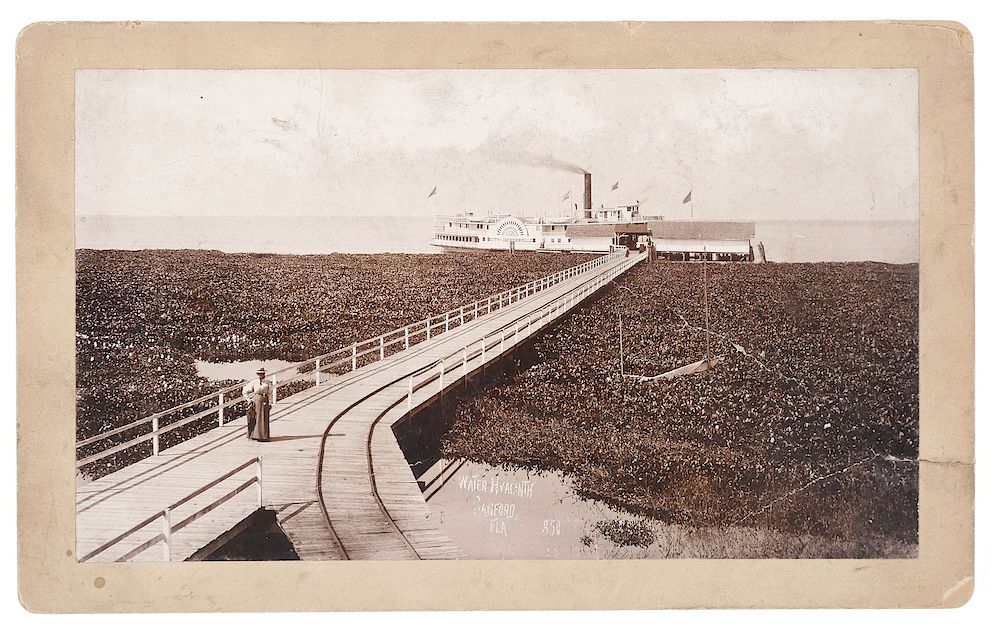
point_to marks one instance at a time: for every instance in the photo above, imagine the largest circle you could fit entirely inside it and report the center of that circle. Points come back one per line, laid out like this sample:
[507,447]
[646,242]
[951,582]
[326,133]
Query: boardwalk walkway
[333,471]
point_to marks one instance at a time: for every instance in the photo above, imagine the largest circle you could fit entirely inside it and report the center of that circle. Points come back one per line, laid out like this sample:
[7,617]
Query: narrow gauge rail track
[416,386]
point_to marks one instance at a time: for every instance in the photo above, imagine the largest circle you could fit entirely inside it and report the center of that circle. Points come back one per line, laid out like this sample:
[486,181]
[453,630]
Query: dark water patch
[497,513]
[263,540]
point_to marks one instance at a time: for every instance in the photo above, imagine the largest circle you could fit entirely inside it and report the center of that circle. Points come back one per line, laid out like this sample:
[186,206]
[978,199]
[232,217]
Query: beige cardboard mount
[50,579]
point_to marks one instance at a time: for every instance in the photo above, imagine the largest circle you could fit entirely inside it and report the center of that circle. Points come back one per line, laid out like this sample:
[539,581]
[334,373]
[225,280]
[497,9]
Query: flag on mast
[566,197]
[687,198]
[433,191]
[615,186]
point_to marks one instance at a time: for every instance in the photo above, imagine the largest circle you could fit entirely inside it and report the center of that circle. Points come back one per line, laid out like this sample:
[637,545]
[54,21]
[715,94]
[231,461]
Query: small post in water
[708,345]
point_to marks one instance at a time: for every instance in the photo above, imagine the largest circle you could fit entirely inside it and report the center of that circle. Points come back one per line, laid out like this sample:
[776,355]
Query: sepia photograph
[404,317]
[496,314]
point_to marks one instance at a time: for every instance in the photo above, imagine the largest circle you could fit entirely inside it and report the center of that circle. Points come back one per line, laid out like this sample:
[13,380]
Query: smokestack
[586,195]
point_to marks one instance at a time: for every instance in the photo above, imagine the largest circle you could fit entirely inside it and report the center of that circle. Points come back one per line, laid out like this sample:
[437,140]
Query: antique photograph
[496,314]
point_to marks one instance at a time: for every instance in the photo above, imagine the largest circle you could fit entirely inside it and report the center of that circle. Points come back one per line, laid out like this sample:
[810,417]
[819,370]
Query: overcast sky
[772,144]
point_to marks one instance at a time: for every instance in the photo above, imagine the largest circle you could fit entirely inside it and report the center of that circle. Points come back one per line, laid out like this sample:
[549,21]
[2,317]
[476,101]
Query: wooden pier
[332,471]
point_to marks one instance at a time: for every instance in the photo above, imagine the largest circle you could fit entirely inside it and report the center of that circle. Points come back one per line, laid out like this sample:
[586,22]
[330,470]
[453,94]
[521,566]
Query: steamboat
[591,230]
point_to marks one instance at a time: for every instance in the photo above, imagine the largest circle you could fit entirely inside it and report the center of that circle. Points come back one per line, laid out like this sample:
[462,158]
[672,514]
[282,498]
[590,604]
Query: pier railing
[507,337]
[321,368]
[168,526]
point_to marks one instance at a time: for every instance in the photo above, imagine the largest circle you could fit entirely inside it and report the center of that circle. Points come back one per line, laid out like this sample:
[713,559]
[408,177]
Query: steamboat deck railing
[340,361]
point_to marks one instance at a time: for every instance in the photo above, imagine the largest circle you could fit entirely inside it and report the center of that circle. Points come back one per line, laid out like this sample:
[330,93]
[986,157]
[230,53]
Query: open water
[784,241]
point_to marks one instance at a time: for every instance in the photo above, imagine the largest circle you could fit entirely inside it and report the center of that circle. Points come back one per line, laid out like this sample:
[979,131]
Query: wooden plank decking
[373,504]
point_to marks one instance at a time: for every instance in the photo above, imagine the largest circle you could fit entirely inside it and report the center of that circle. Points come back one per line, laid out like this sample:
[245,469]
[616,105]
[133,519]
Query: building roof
[640,228]
[703,229]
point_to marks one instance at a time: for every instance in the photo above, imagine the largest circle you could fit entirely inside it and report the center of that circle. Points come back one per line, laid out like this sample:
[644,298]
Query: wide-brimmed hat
[262,371]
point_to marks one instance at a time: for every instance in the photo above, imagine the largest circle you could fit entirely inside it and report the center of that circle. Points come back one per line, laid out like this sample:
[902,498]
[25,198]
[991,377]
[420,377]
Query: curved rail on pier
[548,313]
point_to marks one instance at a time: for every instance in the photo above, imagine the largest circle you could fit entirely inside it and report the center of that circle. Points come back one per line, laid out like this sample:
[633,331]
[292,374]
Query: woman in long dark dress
[262,412]
[258,397]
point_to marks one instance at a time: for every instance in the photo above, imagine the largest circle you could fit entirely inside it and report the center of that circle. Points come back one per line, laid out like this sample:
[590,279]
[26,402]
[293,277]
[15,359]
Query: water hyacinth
[820,372]
[144,317]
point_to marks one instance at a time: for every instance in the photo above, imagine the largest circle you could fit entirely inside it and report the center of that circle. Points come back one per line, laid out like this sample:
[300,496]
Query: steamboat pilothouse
[594,230]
